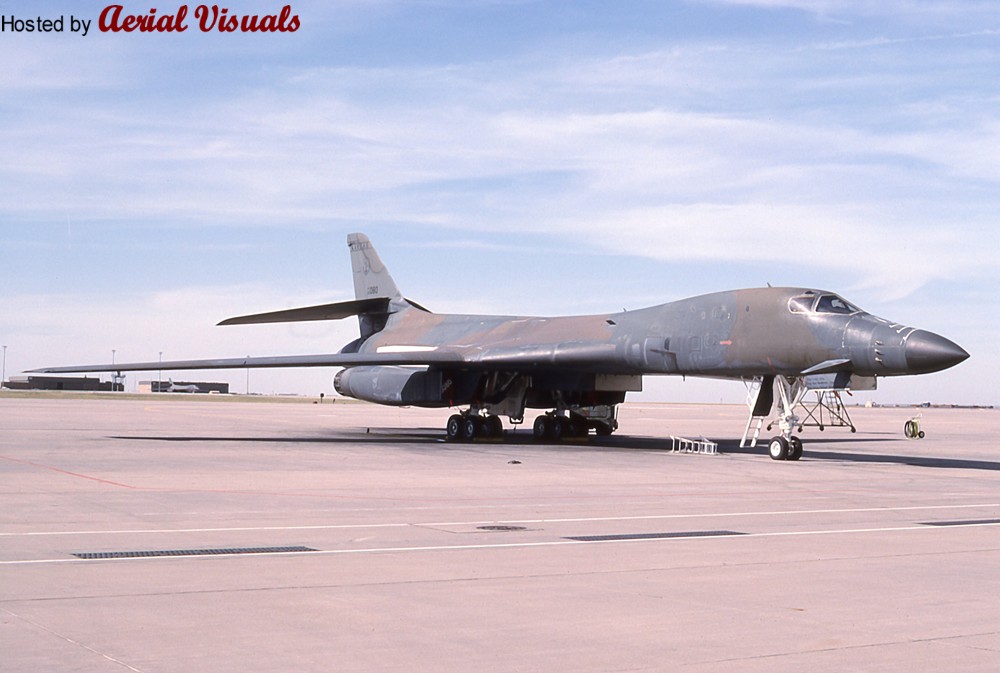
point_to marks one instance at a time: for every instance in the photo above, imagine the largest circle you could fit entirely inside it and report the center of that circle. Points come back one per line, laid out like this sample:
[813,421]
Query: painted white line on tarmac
[514,545]
[650,517]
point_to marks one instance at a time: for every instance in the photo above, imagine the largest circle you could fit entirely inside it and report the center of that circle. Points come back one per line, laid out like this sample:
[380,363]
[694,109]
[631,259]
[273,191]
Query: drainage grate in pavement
[655,536]
[189,552]
[501,529]
[968,522]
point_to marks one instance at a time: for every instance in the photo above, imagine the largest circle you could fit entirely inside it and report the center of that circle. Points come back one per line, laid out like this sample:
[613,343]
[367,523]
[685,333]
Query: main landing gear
[551,427]
[468,427]
[554,427]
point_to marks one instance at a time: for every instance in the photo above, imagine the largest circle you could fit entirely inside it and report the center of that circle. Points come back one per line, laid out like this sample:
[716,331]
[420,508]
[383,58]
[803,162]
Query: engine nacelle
[393,385]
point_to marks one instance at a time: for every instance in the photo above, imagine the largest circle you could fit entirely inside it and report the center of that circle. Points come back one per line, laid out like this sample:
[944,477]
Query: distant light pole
[159,375]
[3,378]
[248,378]
[114,375]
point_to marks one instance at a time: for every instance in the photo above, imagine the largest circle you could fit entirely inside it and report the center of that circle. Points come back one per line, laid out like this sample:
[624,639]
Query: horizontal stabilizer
[337,311]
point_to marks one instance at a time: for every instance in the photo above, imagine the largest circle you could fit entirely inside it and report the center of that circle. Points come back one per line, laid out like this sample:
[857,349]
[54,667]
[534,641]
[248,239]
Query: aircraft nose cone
[929,352]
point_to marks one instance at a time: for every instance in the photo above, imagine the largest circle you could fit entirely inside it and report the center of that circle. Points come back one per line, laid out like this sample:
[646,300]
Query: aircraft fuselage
[760,331]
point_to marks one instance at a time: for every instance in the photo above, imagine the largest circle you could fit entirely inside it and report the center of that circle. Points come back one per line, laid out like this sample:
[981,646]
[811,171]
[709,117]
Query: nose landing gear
[780,448]
[787,446]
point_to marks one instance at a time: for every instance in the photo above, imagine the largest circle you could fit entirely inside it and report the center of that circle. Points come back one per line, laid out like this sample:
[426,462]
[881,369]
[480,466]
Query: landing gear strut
[787,446]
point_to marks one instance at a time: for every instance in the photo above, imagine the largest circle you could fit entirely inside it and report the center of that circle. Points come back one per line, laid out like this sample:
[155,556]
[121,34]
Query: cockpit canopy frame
[823,303]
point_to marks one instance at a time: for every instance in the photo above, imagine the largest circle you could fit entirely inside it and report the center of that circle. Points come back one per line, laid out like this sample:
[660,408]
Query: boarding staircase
[760,399]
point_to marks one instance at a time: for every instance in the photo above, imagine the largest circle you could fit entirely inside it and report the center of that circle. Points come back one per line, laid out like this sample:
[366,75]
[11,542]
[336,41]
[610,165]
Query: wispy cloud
[860,151]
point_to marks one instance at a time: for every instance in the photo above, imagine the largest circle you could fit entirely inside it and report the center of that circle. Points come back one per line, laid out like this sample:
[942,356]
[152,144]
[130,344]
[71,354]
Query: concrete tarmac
[350,537]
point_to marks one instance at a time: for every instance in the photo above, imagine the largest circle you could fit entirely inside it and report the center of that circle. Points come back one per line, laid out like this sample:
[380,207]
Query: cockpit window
[809,302]
[801,304]
[831,303]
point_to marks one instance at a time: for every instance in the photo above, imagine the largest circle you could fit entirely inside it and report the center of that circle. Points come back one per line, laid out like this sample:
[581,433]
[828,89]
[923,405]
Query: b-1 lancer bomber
[579,368]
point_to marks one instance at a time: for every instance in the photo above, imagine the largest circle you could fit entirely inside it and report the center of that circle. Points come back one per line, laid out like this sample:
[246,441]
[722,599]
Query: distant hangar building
[72,383]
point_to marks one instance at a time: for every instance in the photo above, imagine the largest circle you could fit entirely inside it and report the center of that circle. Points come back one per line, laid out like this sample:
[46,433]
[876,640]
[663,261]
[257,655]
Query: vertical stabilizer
[371,278]
[371,281]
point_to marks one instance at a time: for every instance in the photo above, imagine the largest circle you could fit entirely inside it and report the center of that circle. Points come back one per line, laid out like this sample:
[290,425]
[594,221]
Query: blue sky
[505,157]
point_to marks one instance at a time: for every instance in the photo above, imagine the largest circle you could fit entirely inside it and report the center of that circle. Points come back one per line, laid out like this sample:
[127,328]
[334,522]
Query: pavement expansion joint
[190,552]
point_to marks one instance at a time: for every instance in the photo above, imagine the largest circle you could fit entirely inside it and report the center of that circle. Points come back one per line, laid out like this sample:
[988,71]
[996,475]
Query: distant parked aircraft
[183,388]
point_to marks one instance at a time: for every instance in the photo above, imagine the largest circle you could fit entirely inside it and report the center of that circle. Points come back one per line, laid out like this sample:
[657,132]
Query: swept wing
[582,355]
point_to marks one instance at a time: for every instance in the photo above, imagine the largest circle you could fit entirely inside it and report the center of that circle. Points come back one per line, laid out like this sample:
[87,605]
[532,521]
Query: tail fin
[371,278]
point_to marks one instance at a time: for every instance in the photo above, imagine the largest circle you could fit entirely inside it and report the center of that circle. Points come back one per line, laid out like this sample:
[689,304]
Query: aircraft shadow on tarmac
[618,442]
[814,453]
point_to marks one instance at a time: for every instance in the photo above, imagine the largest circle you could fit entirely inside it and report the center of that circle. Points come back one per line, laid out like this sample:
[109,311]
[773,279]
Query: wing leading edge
[597,356]
[321,360]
